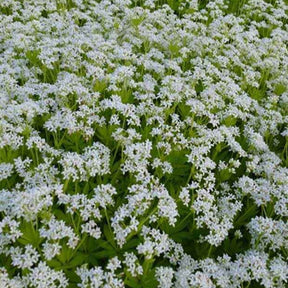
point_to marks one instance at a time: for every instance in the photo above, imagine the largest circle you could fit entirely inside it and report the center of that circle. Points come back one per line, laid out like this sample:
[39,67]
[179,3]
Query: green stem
[184,219]
[37,157]
[65,185]
[192,171]
[141,224]
[210,250]
[77,248]
[108,221]
[73,222]
[115,153]
[61,140]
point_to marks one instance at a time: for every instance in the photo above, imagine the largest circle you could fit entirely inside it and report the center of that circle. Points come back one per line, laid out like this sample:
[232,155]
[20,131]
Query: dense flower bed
[143,143]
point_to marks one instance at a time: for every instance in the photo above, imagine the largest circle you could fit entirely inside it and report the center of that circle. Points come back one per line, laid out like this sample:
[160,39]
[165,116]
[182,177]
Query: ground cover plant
[143,143]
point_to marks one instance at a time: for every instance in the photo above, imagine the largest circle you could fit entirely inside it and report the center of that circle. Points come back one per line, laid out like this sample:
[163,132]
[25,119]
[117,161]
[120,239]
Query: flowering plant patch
[143,143]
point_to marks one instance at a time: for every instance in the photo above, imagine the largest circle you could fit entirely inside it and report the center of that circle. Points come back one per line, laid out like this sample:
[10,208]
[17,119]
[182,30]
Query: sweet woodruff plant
[143,143]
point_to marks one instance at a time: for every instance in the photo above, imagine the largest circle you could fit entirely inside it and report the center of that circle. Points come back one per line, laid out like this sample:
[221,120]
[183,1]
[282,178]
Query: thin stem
[210,250]
[184,219]
[141,224]
[77,248]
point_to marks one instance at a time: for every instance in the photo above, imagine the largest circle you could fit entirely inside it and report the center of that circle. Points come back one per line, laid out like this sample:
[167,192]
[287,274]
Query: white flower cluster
[96,277]
[94,161]
[143,143]
[57,230]
[268,233]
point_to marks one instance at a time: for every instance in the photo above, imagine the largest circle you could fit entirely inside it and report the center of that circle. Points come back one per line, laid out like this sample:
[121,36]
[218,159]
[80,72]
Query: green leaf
[131,244]
[245,217]
[65,254]
[54,263]
[104,244]
[182,236]
[109,235]
[92,260]
[73,277]
[105,254]
[86,188]
[133,283]
[60,215]
[100,86]
[149,279]
[30,234]
[225,175]
[79,259]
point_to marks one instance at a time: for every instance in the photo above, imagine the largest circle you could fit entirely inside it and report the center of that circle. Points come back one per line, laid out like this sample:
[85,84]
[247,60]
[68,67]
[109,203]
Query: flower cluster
[143,143]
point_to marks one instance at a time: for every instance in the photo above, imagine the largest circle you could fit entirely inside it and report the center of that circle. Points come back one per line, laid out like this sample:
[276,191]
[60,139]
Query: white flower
[56,230]
[42,276]
[26,259]
[131,261]
[92,229]
[50,250]
[164,276]
[6,170]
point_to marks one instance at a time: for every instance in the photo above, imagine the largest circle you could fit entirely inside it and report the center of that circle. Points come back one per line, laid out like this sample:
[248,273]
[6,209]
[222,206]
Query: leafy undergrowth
[143,143]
